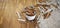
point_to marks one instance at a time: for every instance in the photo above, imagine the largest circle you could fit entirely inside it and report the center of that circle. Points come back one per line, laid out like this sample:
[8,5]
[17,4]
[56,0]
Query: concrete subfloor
[53,21]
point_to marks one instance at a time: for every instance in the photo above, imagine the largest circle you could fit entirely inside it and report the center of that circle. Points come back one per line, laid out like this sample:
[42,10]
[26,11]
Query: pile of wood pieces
[31,14]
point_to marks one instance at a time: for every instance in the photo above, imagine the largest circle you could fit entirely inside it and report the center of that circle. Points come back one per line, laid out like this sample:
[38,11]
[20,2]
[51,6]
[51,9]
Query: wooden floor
[8,14]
